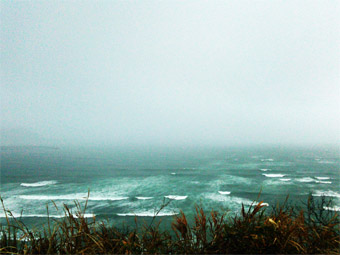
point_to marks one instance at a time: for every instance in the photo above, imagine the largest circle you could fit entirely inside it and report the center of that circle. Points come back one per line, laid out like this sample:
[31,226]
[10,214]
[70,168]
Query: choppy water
[125,182]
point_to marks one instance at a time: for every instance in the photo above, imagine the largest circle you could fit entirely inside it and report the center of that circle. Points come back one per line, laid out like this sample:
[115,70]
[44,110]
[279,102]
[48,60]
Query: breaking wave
[176,197]
[71,197]
[305,179]
[221,198]
[18,215]
[322,178]
[144,198]
[327,182]
[38,184]
[224,192]
[149,214]
[328,193]
[335,208]
[274,175]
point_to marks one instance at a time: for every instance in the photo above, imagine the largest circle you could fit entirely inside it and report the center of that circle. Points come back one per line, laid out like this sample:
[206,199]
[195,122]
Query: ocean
[127,182]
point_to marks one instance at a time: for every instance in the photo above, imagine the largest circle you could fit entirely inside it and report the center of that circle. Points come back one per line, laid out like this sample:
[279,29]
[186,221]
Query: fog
[169,72]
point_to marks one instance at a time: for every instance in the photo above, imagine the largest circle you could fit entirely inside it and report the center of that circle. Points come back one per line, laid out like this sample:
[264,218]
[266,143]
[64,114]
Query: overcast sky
[170,72]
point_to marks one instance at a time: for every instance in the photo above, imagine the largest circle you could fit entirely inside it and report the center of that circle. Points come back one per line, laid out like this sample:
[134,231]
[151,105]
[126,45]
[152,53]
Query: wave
[309,179]
[306,179]
[274,175]
[229,199]
[264,169]
[38,184]
[285,179]
[326,162]
[326,182]
[107,198]
[224,192]
[173,173]
[144,198]
[335,208]
[328,193]
[70,197]
[148,214]
[18,215]
[322,178]
[176,197]
[268,159]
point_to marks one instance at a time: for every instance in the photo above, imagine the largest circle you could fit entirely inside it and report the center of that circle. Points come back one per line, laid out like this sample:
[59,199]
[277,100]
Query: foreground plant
[282,230]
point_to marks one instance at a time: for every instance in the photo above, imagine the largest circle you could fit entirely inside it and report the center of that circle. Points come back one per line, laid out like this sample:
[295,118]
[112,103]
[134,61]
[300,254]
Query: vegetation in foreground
[282,230]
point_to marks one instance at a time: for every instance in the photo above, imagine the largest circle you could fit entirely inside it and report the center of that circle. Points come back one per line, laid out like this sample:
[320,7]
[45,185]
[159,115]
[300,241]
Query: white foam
[322,178]
[229,199]
[144,198]
[265,204]
[38,184]
[224,192]
[305,179]
[173,173]
[106,198]
[264,169]
[268,159]
[274,175]
[176,197]
[328,193]
[326,182]
[285,179]
[335,208]
[18,215]
[326,162]
[70,197]
[148,214]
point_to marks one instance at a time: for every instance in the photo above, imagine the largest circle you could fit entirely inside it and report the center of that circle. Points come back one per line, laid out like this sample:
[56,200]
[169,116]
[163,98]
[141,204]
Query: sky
[170,72]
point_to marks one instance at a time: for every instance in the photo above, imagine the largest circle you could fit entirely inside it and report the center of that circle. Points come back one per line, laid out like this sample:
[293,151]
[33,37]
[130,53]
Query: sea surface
[129,182]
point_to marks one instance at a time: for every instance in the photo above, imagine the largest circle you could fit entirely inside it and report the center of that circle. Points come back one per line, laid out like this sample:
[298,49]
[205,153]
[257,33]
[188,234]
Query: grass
[283,229]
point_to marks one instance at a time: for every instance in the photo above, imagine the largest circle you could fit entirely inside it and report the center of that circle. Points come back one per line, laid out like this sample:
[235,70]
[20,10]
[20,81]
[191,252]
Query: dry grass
[282,230]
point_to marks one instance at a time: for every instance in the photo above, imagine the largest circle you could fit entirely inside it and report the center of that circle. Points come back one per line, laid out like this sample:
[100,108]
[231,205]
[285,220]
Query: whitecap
[18,215]
[38,184]
[173,173]
[326,162]
[106,198]
[335,208]
[224,192]
[229,199]
[285,179]
[70,197]
[148,214]
[268,159]
[322,178]
[274,175]
[264,169]
[305,179]
[176,197]
[326,182]
[328,193]
[144,198]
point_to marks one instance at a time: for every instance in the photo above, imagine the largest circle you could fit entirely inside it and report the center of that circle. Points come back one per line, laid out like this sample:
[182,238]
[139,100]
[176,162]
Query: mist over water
[169,73]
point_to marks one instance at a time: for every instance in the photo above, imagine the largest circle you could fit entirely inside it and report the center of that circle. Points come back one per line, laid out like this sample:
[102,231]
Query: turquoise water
[125,182]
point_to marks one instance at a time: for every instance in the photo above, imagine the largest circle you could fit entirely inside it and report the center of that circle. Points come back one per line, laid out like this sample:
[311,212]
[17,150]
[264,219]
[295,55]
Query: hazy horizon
[170,73]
